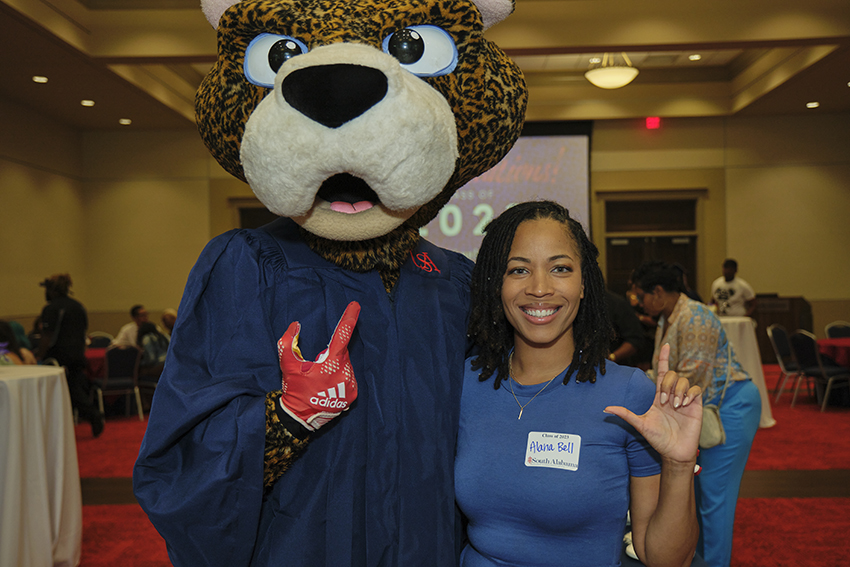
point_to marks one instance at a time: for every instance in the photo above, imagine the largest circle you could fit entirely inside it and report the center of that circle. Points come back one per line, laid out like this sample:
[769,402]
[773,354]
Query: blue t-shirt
[553,487]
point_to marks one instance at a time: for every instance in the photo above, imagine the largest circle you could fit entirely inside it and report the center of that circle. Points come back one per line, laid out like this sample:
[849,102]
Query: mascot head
[359,119]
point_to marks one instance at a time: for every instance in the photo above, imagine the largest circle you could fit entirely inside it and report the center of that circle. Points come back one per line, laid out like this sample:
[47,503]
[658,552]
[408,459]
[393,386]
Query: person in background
[64,323]
[10,346]
[154,346]
[700,352]
[21,335]
[129,333]
[630,341]
[683,278]
[733,296]
[550,457]
[169,317]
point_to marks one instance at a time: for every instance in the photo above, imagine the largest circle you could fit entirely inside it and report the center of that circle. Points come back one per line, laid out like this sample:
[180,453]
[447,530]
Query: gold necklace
[511,384]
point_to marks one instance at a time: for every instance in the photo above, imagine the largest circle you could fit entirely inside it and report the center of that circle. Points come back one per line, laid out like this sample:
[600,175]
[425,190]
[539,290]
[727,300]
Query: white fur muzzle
[404,147]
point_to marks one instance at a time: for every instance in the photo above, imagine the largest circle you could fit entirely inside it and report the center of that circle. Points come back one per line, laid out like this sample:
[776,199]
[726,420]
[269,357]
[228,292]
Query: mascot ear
[494,11]
[213,9]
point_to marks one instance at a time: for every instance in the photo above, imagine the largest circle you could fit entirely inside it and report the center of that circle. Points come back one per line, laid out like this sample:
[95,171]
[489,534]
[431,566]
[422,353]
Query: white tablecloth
[742,334]
[41,512]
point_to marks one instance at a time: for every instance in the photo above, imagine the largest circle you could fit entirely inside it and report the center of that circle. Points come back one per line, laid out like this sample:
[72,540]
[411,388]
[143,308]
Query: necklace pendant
[520,413]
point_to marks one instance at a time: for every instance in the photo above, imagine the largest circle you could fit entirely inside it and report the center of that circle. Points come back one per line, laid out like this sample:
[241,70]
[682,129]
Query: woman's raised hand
[672,424]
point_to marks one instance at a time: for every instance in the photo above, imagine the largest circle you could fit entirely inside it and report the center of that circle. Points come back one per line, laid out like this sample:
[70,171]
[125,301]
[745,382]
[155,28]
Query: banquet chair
[121,376]
[100,339]
[838,330]
[805,348]
[782,349]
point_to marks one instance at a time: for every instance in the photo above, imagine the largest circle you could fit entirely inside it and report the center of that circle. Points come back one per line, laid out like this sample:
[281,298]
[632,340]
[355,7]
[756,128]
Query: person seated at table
[701,353]
[21,334]
[169,318]
[154,347]
[10,347]
[128,335]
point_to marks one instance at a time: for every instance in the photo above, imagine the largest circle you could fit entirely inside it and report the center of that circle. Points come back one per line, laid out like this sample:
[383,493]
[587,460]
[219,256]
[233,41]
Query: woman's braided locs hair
[489,329]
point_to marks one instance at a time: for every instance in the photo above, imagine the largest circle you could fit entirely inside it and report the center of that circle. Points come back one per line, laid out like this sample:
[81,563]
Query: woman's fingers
[663,361]
[677,389]
[693,393]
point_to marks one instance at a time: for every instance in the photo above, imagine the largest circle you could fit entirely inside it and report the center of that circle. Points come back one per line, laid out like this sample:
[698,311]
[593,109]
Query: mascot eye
[425,51]
[266,53]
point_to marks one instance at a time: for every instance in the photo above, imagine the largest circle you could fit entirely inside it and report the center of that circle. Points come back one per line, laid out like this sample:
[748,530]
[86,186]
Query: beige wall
[127,213]
[777,196]
[788,204]
[147,196]
[41,208]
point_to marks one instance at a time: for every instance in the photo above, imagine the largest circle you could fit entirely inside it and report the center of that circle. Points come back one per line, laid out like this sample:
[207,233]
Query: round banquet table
[741,332]
[41,511]
[95,363]
[838,349]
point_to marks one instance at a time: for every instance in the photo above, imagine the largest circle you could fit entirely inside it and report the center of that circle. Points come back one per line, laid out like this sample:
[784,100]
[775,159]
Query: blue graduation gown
[374,486]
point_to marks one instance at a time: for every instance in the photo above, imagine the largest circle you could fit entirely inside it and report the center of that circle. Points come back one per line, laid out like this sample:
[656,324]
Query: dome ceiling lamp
[612,75]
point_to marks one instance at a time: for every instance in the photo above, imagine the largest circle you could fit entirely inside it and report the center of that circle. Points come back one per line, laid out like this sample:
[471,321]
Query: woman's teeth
[540,312]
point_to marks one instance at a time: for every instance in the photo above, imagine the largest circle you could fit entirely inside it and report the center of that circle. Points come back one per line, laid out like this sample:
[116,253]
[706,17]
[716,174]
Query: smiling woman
[542,289]
[572,456]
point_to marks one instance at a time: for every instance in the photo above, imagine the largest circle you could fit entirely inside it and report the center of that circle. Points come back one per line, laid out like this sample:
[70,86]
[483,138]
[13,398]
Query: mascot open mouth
[347,194]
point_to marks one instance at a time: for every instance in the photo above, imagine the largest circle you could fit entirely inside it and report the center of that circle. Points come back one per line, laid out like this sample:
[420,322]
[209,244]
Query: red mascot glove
[316,392]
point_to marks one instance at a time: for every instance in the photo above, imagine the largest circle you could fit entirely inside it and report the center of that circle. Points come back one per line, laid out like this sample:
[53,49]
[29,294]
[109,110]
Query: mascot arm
[313,393]
[217,437]
[286,439]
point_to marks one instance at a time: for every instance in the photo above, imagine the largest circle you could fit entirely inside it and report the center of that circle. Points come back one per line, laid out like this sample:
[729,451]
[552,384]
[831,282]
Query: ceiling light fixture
[611,75]
[812,104]
[125,122]
[39,79]
[695,57]
[86,102]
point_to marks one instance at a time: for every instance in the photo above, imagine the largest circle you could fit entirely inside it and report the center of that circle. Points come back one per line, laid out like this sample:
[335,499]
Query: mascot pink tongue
[355,121]
[349,208]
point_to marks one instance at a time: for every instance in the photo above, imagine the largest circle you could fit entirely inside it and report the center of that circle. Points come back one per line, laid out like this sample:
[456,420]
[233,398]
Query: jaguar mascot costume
[355,121]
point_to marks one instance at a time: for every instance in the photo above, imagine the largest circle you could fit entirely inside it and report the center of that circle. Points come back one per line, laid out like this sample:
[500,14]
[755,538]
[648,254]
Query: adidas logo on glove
[333,398]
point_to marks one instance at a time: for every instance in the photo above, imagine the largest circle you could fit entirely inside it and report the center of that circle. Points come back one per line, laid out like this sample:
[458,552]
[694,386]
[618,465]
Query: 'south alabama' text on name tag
[552,450]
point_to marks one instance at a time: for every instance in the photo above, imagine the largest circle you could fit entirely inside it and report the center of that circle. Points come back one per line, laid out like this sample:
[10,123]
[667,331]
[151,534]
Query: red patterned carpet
[119,535]
[114,452]
[803,437]
[791,532]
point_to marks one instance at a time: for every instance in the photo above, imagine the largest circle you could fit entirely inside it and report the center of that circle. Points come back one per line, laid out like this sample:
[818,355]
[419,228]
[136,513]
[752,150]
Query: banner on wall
[537,168]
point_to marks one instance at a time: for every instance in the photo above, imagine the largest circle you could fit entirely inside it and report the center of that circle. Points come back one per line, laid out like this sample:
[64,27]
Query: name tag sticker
[552,450]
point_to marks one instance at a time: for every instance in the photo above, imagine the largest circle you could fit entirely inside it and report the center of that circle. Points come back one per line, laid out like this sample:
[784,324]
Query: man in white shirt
[129,333]
[733,296]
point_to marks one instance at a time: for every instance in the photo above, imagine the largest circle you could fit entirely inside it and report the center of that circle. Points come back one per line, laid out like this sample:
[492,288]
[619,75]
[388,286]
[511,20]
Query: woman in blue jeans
[700,351]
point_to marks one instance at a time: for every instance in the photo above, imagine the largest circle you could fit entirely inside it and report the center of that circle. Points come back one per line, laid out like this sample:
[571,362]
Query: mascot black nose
[334,94]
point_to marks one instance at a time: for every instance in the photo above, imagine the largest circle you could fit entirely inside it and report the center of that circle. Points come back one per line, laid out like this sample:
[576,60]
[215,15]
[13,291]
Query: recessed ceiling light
[125,122]
[595,60]
[39,79]
[812,104]
[695,57]
[86,102]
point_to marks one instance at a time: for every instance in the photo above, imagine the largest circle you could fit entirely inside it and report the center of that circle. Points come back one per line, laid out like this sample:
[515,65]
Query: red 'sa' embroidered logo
[424,262]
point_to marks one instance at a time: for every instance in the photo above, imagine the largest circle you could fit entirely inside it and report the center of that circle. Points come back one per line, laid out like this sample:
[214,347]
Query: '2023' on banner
[538,167]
